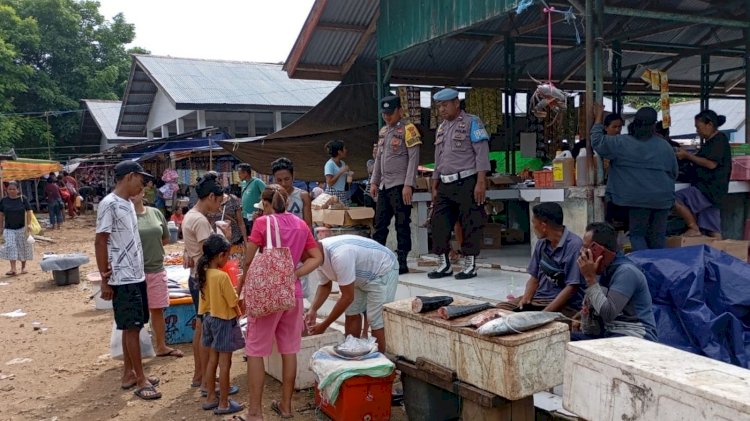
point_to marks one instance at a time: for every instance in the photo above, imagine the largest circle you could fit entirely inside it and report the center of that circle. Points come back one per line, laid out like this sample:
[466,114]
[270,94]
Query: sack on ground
[115,344]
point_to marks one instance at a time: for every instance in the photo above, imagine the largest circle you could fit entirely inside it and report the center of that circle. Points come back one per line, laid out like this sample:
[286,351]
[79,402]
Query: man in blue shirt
[617,300]
[555,283]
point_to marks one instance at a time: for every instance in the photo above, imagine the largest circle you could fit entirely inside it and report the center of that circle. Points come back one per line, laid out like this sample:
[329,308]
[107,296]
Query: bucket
[173,235]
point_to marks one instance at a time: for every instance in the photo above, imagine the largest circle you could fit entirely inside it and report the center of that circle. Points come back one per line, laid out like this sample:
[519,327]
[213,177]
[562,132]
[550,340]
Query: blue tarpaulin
[159,147]
[701,299]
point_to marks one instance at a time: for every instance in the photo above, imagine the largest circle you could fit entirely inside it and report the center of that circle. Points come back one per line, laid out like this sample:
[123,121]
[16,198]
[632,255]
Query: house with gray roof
[99,123]
[168,96]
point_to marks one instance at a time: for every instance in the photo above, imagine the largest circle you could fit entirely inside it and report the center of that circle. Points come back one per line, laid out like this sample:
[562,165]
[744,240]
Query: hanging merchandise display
[410,104]
[486,103]
[659,81]
[547,99]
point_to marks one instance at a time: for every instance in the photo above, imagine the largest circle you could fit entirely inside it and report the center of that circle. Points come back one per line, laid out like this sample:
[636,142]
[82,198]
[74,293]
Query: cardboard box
[513,236]
[491,237]
[682,241]
[344,217]
[504,180]
[424,183]
[736,248]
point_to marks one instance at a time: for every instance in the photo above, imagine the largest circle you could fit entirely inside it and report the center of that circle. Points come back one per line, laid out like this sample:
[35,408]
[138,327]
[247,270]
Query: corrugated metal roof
[105,114]
[644,40]
[683,115]
[194,81]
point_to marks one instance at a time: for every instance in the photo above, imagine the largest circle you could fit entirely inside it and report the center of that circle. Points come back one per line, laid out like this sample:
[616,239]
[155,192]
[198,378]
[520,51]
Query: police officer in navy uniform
[458,183]
[394,176]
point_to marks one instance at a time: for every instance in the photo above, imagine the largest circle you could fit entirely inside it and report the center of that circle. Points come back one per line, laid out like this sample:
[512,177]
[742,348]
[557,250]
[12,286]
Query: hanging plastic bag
[34,226]
[115,344]
[232,268]
[30,239]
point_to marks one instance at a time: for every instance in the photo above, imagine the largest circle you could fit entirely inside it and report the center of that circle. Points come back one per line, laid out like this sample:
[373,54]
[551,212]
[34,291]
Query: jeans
[55,212]
[648,228]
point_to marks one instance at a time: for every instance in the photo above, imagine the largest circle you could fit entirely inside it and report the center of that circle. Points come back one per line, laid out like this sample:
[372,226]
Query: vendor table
[577,208]
[513,366]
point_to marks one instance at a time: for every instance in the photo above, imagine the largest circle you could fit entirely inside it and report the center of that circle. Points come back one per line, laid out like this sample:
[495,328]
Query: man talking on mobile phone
[555,281]
[617,300]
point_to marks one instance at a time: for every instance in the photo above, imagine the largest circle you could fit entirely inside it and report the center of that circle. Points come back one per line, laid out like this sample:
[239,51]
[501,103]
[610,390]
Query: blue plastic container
[179,317]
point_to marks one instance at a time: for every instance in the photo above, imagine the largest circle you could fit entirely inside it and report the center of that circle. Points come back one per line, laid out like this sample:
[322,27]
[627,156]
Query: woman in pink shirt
[286,327]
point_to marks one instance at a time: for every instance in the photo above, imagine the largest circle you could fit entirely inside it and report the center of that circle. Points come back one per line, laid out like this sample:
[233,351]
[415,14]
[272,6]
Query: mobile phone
[598,250]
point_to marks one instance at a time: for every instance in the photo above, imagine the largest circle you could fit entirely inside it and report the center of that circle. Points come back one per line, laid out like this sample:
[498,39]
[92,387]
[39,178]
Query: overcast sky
[244,30]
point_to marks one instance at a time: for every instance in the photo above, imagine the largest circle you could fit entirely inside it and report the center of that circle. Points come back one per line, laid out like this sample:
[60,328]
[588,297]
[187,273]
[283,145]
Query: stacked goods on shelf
[486,103]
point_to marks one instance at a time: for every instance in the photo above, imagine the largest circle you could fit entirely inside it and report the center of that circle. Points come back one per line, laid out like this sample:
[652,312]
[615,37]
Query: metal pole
[589,23]
[617,77]
[705,80]
[506,100]
[512,102]
[747,68]
[379,87]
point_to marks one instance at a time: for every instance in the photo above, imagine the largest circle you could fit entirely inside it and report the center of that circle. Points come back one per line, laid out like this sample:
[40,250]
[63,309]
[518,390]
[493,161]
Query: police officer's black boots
[470,268]
[443,269]
[402,263]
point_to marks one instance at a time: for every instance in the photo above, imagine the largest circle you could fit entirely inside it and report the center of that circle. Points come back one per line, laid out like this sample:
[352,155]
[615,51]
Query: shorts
[130,304]
[157,291]
[371,296]
[195,294]
[284,326]
[221,335]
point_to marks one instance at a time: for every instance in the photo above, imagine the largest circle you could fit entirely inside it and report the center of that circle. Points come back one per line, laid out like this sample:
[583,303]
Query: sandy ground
[70,375]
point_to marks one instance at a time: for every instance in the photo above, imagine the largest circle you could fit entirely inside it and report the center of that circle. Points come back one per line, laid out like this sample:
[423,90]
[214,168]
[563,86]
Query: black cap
[646,115]
[389,104]
[126,167]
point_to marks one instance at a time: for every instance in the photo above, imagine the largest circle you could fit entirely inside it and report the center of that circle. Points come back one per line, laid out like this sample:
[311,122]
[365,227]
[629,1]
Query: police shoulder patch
[383,130]
[477,132]
[412,136]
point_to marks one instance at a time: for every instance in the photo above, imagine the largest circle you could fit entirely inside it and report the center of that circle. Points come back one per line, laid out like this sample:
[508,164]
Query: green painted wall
[405,23]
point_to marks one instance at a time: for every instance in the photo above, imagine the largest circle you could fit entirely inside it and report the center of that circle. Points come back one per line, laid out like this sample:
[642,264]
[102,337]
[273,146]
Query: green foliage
[652,101]
[52,54]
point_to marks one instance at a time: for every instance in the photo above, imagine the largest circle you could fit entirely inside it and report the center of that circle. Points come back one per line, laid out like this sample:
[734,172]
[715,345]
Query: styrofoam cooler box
[740,168]
[633,379]
[305,378]
[179,318]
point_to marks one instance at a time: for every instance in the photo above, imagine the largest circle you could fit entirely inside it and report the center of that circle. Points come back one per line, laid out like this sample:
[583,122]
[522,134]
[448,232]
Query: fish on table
[517,322]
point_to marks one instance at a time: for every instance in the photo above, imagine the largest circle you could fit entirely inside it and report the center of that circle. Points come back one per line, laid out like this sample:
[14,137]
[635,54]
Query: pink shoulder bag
[270,282]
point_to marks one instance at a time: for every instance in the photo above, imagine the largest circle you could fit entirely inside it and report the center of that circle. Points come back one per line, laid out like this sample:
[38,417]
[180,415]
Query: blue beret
[446,94]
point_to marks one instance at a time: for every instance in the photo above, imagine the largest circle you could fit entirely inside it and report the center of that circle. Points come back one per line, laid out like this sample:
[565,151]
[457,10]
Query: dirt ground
[70,375]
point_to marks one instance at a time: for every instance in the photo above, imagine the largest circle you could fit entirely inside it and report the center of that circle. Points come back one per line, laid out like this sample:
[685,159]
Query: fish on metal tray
[452,312]
[517,322]
[424,304]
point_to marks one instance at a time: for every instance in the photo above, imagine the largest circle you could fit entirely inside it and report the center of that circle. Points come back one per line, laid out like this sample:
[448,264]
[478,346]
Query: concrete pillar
[232,128]
[200,119]
[251,125]
[164,131]
[150,135]
[180,125]
[276,121]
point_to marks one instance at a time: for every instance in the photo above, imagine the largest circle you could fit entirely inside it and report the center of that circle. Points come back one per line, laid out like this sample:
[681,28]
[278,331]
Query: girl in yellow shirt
[221,330]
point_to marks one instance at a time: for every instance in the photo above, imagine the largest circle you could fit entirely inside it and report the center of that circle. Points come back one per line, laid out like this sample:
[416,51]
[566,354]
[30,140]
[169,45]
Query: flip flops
[233,390]
[147,393]
[277,409]
[210,405]
[173,353]
[151,379]
[231,409]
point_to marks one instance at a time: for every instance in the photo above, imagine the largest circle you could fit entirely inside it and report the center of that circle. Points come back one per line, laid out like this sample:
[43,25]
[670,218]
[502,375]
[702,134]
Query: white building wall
[163,112]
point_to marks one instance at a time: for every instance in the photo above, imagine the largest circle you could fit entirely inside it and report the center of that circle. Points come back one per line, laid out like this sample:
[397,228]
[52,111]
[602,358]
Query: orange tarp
[25,169]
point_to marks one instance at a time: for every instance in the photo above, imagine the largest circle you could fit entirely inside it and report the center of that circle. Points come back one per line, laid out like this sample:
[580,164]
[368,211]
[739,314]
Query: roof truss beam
[333,26]
[676,17]
[361,44]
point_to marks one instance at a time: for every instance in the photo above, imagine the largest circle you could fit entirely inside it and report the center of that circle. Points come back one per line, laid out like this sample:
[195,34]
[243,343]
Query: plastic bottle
[563,168]
[582,169]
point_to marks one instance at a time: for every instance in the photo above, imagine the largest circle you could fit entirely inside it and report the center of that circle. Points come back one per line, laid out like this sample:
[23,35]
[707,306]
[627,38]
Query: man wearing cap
[119,257]
[458,183]
[642,173]
[393,177]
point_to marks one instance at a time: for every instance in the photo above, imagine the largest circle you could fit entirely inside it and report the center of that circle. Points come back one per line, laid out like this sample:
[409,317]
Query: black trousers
[391,203]
[455,202]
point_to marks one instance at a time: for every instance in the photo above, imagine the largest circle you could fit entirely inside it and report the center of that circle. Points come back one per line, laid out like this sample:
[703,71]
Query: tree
[52,54]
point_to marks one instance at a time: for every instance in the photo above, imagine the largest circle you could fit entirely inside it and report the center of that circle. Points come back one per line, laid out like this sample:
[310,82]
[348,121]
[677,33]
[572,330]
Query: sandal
[173,353]
[233,390]
[210,405]
[277,409]
[10,273]
[231,409]
[147,393]
[151,379]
